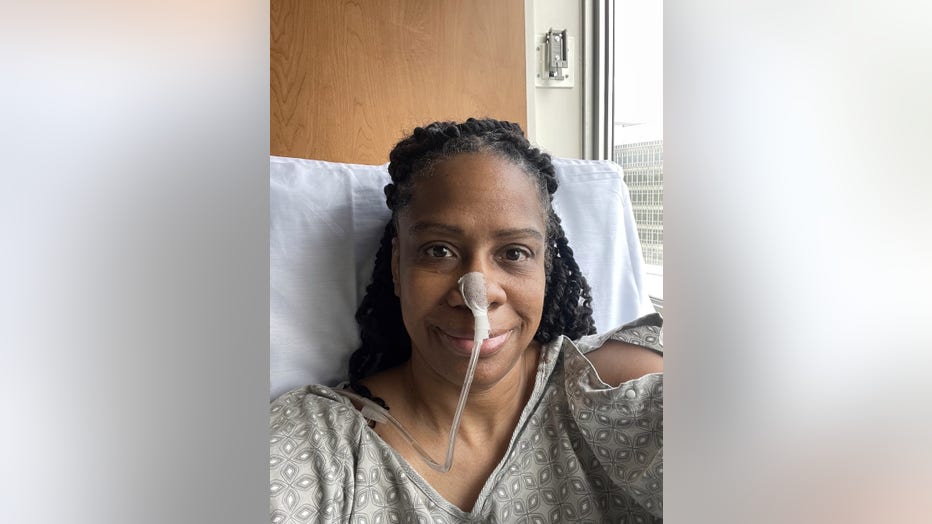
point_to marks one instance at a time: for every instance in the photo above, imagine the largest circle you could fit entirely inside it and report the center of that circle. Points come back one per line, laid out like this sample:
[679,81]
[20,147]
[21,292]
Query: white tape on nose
[472,287]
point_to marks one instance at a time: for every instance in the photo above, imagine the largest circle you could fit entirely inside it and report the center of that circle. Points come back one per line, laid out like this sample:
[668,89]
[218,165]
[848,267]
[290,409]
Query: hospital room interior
[561,70]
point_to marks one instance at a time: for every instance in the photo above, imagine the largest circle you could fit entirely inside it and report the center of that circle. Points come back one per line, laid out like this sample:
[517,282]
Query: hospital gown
[582,452]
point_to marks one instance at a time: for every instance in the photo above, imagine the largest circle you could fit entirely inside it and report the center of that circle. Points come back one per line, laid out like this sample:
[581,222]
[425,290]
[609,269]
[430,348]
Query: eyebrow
[420,227]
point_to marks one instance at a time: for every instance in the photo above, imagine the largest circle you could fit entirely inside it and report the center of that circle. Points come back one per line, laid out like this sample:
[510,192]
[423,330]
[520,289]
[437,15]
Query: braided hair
[567,300]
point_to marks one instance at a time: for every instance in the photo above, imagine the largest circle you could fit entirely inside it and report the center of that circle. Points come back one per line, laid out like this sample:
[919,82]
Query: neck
[490,410]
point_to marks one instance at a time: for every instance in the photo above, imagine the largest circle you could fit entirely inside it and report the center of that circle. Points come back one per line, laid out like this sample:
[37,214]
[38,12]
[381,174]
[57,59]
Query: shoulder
[645,332]
[304,399]
[628,352]
[311,412]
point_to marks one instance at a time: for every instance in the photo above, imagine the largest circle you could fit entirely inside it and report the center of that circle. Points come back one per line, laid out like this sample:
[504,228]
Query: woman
[552,430]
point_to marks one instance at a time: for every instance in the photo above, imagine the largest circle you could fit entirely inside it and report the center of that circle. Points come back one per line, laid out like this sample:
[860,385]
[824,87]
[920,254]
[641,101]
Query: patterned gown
[582,452]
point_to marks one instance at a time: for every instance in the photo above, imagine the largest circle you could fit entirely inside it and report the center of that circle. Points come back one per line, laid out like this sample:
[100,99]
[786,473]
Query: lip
[490,346]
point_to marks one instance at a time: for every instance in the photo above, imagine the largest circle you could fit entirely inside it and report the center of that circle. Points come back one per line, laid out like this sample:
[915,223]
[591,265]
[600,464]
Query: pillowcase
[326,220]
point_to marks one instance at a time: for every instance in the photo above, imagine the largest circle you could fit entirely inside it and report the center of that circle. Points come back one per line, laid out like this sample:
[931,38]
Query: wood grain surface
[350,77]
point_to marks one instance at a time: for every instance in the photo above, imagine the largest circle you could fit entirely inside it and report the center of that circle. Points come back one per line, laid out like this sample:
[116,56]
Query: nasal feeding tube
[472,287]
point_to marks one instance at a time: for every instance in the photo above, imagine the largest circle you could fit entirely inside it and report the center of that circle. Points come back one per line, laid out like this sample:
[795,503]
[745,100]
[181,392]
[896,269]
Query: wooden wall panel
[350,77]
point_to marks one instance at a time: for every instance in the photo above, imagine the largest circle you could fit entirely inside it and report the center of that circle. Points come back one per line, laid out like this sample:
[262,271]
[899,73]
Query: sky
[638,70]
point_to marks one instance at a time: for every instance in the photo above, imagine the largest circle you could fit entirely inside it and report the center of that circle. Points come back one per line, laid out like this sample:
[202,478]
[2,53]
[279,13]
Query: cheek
[420,292]
[530,296]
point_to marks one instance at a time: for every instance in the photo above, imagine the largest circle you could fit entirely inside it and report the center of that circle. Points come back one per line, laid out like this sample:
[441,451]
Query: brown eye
[516,254]
[439,252]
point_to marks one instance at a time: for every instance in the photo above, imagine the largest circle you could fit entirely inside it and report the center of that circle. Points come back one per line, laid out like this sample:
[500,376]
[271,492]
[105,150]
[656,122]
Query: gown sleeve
[622,425]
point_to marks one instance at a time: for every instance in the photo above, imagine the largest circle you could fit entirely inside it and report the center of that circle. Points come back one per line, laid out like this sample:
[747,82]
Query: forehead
[477,189]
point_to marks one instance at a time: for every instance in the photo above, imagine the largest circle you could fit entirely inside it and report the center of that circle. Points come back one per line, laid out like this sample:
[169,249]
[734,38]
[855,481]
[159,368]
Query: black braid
[379,316]
[567,300]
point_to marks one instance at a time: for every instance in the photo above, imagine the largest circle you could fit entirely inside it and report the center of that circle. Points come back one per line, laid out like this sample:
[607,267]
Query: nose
[495,293]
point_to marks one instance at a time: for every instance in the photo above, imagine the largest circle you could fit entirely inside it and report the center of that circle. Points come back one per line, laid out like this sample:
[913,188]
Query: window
[637,134]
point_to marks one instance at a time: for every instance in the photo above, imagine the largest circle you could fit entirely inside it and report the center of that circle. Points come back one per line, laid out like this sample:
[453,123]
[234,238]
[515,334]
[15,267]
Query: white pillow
[326,220]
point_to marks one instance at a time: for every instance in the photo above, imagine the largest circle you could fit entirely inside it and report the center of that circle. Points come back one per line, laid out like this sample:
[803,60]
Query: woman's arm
[617,362]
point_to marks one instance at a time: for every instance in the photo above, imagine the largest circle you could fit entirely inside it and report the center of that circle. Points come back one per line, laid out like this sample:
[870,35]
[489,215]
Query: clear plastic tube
[472,287]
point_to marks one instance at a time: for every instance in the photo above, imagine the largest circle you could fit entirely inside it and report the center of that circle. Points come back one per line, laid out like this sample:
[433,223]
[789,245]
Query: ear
[395,266]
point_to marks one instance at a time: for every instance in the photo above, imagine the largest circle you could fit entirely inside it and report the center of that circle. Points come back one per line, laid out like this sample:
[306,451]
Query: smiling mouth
[489,346]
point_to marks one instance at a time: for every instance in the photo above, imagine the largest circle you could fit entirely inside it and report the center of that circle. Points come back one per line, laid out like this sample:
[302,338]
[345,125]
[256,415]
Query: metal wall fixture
[555,45]
[555,58]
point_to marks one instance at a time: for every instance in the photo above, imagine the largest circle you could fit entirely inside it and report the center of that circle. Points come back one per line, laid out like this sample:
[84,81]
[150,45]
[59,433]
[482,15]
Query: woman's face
[474,212]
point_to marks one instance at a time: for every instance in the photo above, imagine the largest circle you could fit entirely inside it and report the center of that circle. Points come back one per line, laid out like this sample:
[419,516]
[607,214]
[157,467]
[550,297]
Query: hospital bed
[325,223]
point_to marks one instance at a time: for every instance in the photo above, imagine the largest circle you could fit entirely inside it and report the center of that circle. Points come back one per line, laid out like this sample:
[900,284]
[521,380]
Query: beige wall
[555,114]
